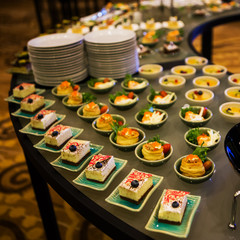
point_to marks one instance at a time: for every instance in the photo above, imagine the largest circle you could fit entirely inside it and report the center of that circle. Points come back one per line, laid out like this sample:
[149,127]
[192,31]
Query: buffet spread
[147,147]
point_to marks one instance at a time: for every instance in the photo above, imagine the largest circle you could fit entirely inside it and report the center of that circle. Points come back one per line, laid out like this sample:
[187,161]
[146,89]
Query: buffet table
[213,214]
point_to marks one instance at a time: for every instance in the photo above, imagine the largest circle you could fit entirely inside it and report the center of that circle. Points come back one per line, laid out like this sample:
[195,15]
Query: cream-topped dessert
[57,136]
[32,103]
[74,151]
[23,90]
[135,186]
[152,117]
[173,206]
[100,167]
[43,119]
[170,48]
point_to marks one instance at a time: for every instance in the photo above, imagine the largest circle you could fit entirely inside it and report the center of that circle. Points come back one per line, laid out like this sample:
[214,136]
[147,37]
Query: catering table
[213,214]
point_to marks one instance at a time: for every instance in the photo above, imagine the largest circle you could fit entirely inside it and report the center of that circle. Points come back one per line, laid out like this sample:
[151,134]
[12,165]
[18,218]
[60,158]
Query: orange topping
[120,98]
[74,93]
[132,84]
[128,131]
[91,104]
[192,158]
[97,84]
[65,84]
[202,139]
[147,116]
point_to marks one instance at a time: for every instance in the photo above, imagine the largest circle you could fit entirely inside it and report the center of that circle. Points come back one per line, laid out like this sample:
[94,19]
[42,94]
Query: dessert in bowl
[232,94]
[150,71]
[173,23]
[199,96]
[215,70]
[208,82]
[134,84]
[184,70]
[151,38]
[234,79]
[196,61]
[230,111]
[65,89]
[195,116]
[172,82]
[101,85]
[205,137]
[174,36]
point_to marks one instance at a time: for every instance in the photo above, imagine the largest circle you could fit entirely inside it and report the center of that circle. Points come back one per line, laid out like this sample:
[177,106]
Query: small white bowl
[176,70]
[234,79]
[196,61]
[211,70]
[202,82]
[232,118]
[232,98]
[164,82]
[150,71]
[205,102]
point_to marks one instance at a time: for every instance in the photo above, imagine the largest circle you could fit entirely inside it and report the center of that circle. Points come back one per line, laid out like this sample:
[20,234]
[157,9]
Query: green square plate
[19,113]
[29,130]
[18,101]
[94,149]
[42,146]
[81,179]
[181,230]
[114,197]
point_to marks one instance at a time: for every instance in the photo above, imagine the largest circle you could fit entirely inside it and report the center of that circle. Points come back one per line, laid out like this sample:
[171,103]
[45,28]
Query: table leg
[207,37]
[44,202]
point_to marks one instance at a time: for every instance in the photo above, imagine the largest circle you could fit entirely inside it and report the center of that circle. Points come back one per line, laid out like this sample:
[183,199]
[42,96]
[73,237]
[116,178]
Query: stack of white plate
[111,53]
[58,57]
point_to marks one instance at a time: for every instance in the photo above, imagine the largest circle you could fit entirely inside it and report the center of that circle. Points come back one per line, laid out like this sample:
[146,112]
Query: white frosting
[46,121]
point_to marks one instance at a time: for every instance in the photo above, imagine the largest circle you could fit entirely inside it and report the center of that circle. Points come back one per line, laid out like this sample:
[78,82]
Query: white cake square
[43,119]
[23,90]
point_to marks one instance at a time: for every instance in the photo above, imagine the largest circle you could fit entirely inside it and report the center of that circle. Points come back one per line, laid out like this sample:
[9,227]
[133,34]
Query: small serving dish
[196,61]
[127,147]
[135,84]
[139,155]
[215,70]
[184,70]
[108,84]
[232,94]
[199,96]
[234,79]
[172,82]
[150,71]
[230,111]
[211,83]
[206,114]
[54,91]
[193,139]
[70,106]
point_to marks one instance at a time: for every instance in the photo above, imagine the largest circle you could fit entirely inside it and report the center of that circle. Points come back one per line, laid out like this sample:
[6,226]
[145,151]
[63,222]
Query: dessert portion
[214,69]
[170,48]
[127,136]
[91,109]
[43,119]
[196,61]
[233,111]
[173,22]
[234,92]
[75,98]
[32,103]
[74,151]
[163,97]
[23,90]
[172,206]
[57,136]
[100,168]
[206,81]
[104,122]
[172,80]
[66,87]
[135,186]
[199,95]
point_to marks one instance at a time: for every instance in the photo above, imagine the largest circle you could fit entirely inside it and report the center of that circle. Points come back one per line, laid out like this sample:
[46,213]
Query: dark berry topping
[200,92]
[234,80]
[134,183]
[175,204]
[182,71]
[166,80]
[21,87]
[55,133]
[29,100]
[39,116]
[98,165]
[72,148]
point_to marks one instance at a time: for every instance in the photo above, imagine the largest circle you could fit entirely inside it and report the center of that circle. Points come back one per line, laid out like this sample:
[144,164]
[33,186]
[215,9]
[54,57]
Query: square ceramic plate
[42,146]
[114,197]
[18,101]
[94,149]
[181,230]
[29,130]
[19,113]
[83,181]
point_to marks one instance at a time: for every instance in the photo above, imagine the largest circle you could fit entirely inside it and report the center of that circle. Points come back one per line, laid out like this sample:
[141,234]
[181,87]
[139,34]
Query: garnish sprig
[201,152]
[117,128]
[148,108]
[156,139]
[92,81]
[88,97]
[193,134]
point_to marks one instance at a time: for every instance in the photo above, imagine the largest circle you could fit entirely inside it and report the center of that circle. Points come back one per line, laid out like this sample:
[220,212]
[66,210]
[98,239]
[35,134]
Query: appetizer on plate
[152,37]
[75,99]
[134,84]
[105,121]
[32,103]
[150,24]
[66,87]
[23,90]
[101,85]
[173,23]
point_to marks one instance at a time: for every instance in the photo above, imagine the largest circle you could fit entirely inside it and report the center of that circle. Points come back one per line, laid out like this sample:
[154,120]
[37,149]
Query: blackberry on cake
[32,103]
[43,119]
[23,90]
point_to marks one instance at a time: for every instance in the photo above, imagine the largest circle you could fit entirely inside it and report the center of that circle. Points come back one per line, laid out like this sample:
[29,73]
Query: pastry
[153,151]
[127,136]
[172,206]
[23,90]
[57,136]
[32,103]
[104,122]
[100,168]
[43,119]
[75,98]
[135,186]
[74,151]
[64,88]
[91,109]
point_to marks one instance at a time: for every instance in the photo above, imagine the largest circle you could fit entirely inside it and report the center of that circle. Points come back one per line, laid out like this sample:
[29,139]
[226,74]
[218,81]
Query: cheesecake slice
[74,151]
[57,136]
[135,186]
[172,206]
[43,119]
[32,103]
[100,167]
[23,90]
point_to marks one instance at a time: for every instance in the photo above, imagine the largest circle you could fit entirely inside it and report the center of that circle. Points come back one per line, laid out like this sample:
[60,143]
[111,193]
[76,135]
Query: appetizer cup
[185,71]
[151,126]
[144,84]
[126,148]
[215,71]
[115,117]
[70,106]
[187,135]
[234,79]
[230,111]
[204,178]
[207,82]
[54,92]
[209,95]
[139,155]
[232,94]
[105,89]
[196,61]
[125,106]
[200,123]
[150,71]
[172,82]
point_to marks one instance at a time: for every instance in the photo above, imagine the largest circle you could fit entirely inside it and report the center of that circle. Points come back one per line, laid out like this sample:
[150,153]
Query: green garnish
[117,94]
[156,139]
[92,81]
[193,134]
[158,34]
[128,77]
[148,108]
[201,152]
[71,82]
[88,97]
[117,128]
[153,92]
